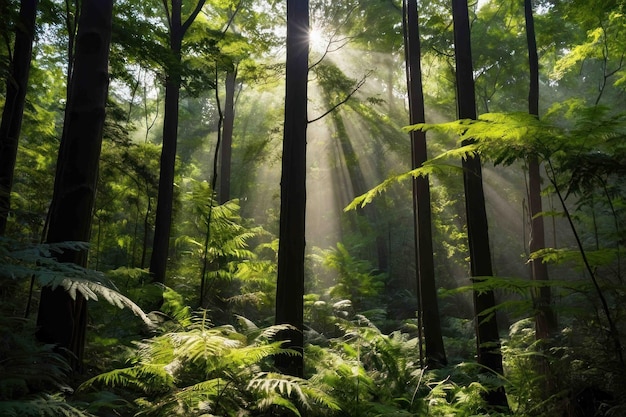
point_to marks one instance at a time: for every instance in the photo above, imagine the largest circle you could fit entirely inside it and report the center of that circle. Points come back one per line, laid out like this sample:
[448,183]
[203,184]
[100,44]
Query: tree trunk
[13,111]
[487,337]
[165,199]
[227,137]
[545,322]
[61,320]
[427,288]
[290,282]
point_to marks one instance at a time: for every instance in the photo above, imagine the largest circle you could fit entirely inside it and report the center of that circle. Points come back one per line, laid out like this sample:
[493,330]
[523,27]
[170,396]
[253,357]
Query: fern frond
[202,346]
[145,377]
[26,367]
[247,324]
[516,285]
[275,400]
[21,261]
[249,355]
[302,390]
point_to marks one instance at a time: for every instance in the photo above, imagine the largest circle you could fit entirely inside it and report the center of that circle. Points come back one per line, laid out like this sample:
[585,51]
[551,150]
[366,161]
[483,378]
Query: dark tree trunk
[487,337]
[61,320]
[290,282]
[165,199]
[227,137]
[13,111]
[427,288]
[545,323]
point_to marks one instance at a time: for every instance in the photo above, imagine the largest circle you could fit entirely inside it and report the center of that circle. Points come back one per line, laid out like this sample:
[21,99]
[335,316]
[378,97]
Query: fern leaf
[286,385]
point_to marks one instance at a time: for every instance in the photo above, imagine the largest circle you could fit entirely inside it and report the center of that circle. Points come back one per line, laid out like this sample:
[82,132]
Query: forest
[351,208]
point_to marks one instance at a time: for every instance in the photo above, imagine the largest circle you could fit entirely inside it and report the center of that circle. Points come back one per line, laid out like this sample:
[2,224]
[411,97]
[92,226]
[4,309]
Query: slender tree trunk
[13,111]
[487,336]
[165,199]
[146,232]
[61,319]
[427,288]
[227,137]
[290,282]
[545,322]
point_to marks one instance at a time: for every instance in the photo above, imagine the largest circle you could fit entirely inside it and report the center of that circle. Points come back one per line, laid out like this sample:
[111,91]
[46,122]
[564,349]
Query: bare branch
[333,39]
[232,17]
[345,99]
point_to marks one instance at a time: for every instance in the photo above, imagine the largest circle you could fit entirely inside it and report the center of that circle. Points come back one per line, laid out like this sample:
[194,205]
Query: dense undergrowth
[184,364]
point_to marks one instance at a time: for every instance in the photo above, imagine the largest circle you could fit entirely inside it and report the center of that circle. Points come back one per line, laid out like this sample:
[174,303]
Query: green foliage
[23,261]
[34,378]
[204,368]
[193,368]
[356,279]
[374,374]
[43,405]
[507,137]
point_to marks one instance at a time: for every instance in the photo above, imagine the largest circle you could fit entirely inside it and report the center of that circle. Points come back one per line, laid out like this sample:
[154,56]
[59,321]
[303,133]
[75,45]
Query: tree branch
[167,14]
[344,101]
[193,15]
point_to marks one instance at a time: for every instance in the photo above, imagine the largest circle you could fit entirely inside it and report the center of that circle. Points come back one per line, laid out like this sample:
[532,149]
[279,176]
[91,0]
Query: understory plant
[200,369]
[35,378]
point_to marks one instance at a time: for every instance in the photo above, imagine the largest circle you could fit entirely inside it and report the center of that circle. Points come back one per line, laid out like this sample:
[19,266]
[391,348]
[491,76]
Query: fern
[205,369]
[507,137]
[146,377]
[24,261]
[306,392]
[32,376]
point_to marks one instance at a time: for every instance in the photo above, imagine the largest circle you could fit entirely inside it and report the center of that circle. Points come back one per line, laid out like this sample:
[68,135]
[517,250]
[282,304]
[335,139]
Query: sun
[317,40]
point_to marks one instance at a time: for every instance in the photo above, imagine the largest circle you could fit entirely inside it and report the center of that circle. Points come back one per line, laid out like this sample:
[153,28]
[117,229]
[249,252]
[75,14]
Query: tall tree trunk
[290,282]
[165,199]
[545,322]
[227,136]
[62,320]
[487,337]
[13,111]
[427,288]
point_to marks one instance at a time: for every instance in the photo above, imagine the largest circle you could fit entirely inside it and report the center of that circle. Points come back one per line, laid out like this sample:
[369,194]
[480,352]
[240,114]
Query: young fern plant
[372,374]
[211,370]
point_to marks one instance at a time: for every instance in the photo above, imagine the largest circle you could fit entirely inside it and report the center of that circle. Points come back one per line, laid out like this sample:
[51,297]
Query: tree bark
[165,199]
[62,320]
[427,288]
[13,112]
[290,281]
[487,336]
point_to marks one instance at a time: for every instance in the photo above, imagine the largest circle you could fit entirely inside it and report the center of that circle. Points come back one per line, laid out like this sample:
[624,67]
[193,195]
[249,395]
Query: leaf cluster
[211,369]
